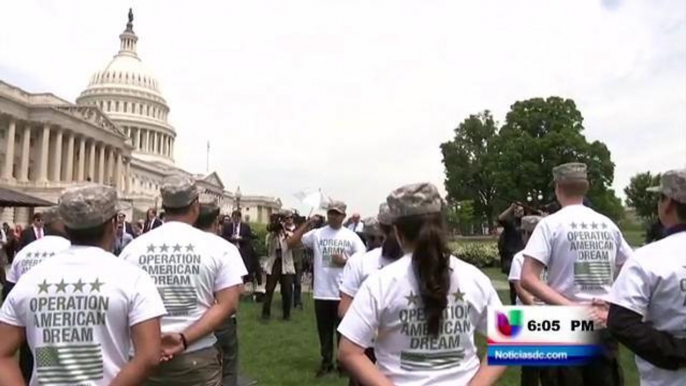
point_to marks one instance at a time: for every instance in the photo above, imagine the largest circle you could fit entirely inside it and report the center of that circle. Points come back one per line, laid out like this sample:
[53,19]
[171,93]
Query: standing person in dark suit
[151,220]
[240,234]
[34,232]
[510,241]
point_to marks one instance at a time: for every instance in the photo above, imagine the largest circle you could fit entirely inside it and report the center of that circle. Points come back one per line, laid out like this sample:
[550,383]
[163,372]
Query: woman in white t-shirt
[421,311]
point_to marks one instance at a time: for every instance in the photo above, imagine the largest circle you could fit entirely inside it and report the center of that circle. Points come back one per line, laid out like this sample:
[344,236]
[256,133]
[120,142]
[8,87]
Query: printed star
[574,225]
[412,298]
[78,286]
[44,286]
[604,225]
[583,225]
[594,225]
[151,248]
[95,286]
[28,254]
[164,248]
[52,254]
[45,254]
[177,248]
[61,286]
[189,248]
[459,296]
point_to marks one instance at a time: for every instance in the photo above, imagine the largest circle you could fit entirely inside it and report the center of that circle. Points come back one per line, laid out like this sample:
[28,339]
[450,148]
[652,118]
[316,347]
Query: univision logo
[510,326]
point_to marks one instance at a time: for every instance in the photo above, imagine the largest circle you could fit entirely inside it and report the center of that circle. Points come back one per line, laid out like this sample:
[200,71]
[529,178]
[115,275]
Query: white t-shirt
[77,308]
[582,250]
[326,242]
[34,253]
[359,267]
[389,302]
[653,284]
[188,268]
[516,275]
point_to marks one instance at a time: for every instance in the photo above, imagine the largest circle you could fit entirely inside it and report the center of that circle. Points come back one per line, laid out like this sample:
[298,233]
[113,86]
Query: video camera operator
[280,267]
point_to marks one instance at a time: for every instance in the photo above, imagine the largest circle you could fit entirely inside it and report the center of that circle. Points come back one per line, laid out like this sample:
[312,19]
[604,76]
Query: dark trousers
[254,271]
[25,361]
[297,284]
[326,312]
[603,371]
[530,376]
[227,343]
[513,294]
[286,282]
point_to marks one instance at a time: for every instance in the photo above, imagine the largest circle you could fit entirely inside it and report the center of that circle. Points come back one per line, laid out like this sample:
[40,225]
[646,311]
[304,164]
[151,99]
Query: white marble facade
[117,133]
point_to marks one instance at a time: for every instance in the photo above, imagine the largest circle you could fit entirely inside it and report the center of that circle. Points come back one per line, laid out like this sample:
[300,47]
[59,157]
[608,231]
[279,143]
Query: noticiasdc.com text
[512,354]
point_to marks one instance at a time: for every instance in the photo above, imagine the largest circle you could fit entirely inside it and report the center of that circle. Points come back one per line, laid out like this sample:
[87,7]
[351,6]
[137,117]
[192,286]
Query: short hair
[37,216]
[236,213]
[151,210]
[577,188]
[680,207]
[178,211]
[88,236]
[208,215]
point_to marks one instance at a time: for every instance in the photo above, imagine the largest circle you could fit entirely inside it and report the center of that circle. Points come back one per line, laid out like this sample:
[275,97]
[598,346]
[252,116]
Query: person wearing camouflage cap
[383,249]
[332,246]
[647,297]
[427,281]
[582,251]
[84,273]
[54,241]
[199,285]
[227,332]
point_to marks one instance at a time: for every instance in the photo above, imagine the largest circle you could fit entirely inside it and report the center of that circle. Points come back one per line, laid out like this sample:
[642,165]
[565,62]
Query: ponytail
[431,263]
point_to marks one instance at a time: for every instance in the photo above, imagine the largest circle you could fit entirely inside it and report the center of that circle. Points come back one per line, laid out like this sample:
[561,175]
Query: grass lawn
[281,353]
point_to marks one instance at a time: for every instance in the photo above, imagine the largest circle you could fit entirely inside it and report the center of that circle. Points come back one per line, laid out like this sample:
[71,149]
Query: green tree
[469,164]
[639,198]
[539,134]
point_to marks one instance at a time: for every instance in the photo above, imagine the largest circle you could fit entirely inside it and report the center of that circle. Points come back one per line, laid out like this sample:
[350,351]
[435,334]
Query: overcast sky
[355,97]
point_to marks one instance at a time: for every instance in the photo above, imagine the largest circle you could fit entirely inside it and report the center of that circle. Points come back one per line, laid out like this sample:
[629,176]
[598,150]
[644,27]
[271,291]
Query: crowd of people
[90,300]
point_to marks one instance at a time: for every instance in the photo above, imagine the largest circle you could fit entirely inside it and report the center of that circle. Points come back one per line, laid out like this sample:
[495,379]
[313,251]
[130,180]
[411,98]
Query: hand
[171,345]
[599,311]
[339,259]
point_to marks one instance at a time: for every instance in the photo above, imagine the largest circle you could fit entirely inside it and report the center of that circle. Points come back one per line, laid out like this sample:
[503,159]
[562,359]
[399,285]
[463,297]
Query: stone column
[21,216]
[57,157]
[117,171]
[44,153]
[69,172]
[109,173]
[7,173]
[81,167]
[136,137]
[91,162]
[154,143]
[7,215]
[127,180]
[25,149]
[101,165]
[148,136]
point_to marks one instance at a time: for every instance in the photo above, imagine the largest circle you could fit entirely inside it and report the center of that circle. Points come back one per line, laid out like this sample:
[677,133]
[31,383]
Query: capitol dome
[130,95]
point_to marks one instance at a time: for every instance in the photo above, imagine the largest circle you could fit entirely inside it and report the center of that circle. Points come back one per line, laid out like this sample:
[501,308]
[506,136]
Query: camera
[276,221]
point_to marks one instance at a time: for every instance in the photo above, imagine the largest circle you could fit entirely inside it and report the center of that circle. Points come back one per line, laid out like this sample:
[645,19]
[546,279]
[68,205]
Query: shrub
[260,231]
[481,255]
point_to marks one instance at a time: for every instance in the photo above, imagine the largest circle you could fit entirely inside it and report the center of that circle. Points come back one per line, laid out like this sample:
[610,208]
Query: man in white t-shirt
[332,246]
[583,251]
[198,286]
[226,333]
[83,311]
[648,310]
[54,242]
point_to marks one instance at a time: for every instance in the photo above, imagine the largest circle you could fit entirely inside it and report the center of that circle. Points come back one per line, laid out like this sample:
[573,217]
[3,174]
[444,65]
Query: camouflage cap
[672,185]
[88,206]
[384,215]
[415,199]
[178,191]
[573,171]
[371,226]
[51,214]
[337,206]
[530,222]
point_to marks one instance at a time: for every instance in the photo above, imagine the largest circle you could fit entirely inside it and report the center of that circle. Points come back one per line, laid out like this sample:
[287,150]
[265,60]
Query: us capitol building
[117,133]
